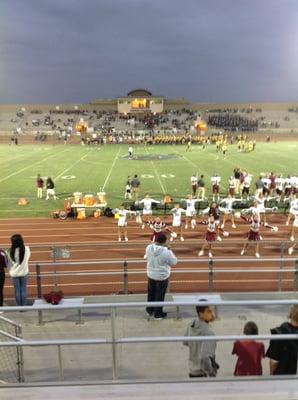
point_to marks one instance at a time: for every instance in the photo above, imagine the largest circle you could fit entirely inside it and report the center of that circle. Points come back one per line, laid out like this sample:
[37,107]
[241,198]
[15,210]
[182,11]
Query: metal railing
[115,341]
[211,267]
[11,364]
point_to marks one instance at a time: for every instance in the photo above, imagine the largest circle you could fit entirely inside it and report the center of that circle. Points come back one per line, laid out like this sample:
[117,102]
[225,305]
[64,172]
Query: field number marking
[147,176]
[168,176]
[165,176]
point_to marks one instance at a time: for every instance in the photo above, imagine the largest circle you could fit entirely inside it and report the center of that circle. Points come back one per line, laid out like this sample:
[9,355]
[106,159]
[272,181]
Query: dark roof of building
[139,93]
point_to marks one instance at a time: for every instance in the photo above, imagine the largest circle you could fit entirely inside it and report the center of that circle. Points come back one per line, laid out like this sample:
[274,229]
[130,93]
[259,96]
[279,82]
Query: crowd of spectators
[233,122]
[135,128]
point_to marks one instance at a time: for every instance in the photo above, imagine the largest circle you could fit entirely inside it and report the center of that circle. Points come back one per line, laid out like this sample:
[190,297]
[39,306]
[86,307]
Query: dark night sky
[55,51]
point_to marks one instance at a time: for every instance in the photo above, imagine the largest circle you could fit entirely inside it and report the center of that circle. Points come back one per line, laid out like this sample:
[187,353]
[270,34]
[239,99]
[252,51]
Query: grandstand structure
[141,113]
[108,338]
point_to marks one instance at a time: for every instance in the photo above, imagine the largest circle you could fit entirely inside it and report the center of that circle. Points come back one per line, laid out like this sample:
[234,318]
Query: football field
[162,169]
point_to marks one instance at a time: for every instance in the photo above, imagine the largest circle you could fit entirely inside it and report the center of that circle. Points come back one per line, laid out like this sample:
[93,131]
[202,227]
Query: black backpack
[108,212]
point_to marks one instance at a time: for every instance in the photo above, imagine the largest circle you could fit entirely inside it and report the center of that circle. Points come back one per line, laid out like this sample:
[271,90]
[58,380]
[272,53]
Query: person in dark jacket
[50,189]
[3,265]
[283,353]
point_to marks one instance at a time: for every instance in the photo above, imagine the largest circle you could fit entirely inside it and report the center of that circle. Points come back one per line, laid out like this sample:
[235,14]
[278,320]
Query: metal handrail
[198,260]
[144,304]
[147,339]
[140,243]
[114,341]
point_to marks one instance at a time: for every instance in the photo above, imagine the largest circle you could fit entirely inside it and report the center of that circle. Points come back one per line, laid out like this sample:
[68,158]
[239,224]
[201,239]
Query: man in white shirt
[160,259]
[130,153]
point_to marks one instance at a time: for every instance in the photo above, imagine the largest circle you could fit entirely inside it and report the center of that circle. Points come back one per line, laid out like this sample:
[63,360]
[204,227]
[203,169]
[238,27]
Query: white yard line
[67,169]
[29,166]
[109,174]
[192,163]
[155,171]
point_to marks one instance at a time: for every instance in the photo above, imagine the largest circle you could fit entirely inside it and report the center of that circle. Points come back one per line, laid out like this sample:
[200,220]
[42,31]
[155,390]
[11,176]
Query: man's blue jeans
[20,290]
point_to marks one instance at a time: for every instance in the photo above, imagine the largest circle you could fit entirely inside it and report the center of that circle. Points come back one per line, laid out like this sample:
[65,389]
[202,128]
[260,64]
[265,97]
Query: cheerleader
[177,212]
[259,208]
[293,207]
[210,237]
[122,221]
[158,227]
[190,211]
[228,210]
[147,208]
[214,211]
[294,228]
[253,234]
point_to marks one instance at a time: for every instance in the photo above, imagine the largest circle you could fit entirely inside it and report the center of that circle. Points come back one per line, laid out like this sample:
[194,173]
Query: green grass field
[87,169]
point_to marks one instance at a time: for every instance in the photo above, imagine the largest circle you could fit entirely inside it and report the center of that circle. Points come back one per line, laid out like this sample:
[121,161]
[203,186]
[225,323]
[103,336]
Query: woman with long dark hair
[20,255]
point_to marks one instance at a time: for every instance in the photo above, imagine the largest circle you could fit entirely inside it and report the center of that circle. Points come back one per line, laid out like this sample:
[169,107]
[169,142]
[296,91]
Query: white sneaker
[219,238]
[145,256]
[222,226]
[242,252]
[186,226]
[261,237]
[201,253]
[171,239]
[119,239]
[292,238]
[287,223]
[290,251]
[182,238]
[143,226]
[257,255]
[210,254]
[126,239]
[234,226]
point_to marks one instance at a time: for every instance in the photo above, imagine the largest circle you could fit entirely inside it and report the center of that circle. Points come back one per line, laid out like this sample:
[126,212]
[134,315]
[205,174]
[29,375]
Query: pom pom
[173,234]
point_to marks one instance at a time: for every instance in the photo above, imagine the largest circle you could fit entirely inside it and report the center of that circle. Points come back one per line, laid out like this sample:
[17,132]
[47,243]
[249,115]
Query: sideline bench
[190,298]
[75,301]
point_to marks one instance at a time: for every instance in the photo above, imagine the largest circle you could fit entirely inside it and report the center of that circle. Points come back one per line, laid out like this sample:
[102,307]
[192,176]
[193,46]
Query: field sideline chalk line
[155,171]
[29,166]
[192,163]
[109,174]
[67,169]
